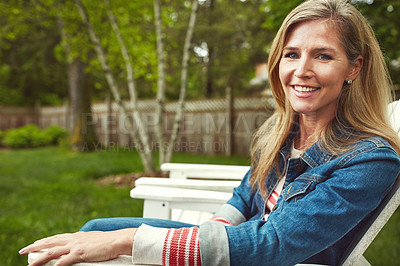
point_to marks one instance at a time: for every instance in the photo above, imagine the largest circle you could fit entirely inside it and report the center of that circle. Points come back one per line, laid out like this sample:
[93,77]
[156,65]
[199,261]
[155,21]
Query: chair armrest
[211,171]
[160,202]
[211,185]
[172,194]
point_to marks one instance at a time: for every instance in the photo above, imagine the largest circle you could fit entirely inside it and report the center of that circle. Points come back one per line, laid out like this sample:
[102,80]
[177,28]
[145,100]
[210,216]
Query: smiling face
[313,69]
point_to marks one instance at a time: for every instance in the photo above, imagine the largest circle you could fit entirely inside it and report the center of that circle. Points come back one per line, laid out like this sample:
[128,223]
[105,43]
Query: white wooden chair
[192,193]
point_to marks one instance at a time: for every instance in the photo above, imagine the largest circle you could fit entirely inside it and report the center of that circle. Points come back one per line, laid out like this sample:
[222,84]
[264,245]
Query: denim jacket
[325,199]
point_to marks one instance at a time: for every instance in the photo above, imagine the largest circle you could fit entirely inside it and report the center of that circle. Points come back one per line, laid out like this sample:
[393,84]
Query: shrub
[55,134]
[29,136]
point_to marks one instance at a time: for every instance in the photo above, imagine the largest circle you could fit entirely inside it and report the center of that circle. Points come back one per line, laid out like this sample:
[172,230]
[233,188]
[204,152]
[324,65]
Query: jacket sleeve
[213,239]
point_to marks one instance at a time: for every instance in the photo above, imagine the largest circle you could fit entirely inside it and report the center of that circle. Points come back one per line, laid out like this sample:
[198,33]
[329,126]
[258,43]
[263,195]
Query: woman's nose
[303,68]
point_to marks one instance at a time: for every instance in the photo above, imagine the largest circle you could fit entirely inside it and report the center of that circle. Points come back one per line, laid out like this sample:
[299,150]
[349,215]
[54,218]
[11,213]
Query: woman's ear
[355,68]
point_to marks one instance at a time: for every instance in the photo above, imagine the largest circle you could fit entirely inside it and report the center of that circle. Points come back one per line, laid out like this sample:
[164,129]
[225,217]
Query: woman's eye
[291,55]
[324,57]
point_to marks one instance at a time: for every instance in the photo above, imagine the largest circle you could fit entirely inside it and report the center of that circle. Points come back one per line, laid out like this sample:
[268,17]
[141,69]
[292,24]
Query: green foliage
[385,19]
[55,134]
[276,12]
[30,136]
[38,50]
[33,53]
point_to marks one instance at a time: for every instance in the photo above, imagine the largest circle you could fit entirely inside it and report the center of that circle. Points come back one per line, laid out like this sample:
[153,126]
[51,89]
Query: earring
[349,82]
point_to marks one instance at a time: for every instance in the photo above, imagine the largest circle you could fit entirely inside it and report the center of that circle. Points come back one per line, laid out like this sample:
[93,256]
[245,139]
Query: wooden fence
[215,126]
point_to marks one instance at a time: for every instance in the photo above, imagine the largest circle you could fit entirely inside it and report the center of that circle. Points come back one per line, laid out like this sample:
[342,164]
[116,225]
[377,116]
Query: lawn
[52,190]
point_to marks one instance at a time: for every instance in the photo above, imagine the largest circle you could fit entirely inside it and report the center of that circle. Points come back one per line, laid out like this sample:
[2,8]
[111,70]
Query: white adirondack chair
[192,194]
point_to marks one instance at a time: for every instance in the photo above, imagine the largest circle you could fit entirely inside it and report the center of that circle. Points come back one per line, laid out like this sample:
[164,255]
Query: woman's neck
[310,130]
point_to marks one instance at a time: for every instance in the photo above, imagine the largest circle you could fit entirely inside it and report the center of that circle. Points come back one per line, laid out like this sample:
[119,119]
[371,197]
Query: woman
[320,165]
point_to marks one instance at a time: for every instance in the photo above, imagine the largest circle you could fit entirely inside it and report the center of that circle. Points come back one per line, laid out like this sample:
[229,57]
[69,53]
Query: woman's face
[313,68]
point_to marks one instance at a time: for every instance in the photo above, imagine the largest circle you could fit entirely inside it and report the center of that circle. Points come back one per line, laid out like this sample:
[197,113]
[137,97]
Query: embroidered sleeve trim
[181,247]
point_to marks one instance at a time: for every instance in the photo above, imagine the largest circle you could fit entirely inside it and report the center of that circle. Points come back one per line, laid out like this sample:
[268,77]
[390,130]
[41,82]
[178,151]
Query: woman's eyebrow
[325,49]
[290,48]
[318,49]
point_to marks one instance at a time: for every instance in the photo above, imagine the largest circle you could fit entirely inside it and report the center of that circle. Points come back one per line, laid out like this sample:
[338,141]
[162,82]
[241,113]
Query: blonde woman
[320,165]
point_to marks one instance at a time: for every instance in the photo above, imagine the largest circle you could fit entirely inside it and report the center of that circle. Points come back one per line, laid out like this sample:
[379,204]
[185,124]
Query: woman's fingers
[50,254]
[79,254]
[45,243]
[75,256]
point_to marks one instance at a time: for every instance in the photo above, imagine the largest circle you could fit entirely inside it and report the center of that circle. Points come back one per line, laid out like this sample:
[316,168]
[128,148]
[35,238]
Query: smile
[305,89]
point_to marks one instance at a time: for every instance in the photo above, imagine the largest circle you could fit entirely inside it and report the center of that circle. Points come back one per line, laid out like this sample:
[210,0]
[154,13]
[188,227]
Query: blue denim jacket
[324,201]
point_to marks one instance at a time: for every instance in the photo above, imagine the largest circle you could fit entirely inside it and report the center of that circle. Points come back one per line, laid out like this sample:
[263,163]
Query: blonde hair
[362,107]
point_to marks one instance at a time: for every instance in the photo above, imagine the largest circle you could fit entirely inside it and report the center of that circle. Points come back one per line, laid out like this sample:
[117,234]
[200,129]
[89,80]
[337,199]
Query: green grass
[52,190]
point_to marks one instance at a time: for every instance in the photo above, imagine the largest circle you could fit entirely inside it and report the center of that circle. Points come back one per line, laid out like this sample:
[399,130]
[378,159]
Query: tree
[26,43]
[228,47]
[384,18]
[166,152]
[141,137]
[83,136]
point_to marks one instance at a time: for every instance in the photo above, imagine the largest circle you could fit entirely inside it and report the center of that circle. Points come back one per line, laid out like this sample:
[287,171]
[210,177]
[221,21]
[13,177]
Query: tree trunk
[161,80]
[209,65]
[143,147]
[83,134]
[142,135]
[184,74]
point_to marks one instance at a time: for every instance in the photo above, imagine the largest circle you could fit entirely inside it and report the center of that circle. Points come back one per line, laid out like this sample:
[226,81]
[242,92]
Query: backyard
[53,190]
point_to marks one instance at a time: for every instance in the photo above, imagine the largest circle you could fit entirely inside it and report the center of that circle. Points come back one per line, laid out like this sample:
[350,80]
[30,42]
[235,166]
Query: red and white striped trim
[220,220]
[181,247]
[273,198]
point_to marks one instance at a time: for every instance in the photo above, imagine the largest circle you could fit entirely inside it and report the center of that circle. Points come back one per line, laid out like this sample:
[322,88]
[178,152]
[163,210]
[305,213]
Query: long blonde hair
[362,106]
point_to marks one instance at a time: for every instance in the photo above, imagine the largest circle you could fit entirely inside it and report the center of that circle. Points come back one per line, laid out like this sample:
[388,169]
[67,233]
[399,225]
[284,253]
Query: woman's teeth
[305,89]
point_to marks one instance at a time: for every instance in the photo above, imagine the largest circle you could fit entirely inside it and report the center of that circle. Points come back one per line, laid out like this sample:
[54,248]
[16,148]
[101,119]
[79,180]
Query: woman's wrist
[124,240]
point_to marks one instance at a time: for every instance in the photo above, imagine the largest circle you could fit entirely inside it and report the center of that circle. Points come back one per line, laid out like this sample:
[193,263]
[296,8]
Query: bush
[29,136]
[55,134]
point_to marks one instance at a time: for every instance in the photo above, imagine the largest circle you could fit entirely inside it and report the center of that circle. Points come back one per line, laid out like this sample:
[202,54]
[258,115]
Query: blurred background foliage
[231,37]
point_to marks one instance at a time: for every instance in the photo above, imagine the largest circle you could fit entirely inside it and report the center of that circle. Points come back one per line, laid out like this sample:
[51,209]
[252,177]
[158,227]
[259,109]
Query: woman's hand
[82,246]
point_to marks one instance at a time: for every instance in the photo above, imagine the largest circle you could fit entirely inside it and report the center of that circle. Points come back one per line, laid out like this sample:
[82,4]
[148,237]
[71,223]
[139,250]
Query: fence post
[108,126]
[67,118]
[229,121]
[37,113]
